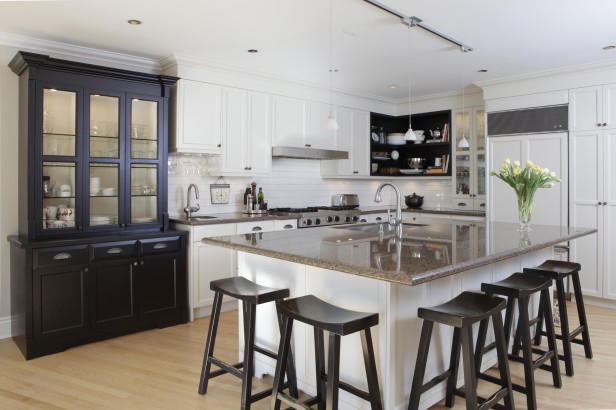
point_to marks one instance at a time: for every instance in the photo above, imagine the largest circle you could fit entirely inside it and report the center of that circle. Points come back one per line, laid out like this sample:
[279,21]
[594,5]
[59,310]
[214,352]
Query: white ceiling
[370,46]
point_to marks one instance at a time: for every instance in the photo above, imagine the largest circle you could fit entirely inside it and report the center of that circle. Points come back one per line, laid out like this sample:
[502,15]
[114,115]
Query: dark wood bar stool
[338,322]
[520,287]
[462,312]
[251,295]
[559,271]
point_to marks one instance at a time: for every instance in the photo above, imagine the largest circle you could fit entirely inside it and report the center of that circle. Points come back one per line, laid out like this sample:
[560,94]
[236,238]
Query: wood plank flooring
[159,369]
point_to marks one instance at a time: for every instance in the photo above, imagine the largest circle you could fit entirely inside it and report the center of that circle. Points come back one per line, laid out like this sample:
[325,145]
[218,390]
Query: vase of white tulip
[525,183]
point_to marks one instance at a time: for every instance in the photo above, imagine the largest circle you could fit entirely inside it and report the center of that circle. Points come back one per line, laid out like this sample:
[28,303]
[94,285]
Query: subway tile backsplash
[298,182]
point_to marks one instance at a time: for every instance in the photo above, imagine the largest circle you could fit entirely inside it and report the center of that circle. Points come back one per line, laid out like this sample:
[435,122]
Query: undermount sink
[375,227]
[201,218]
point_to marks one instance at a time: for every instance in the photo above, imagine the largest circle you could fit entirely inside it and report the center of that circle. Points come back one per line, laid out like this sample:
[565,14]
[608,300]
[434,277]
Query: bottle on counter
[246,196]
[260,196]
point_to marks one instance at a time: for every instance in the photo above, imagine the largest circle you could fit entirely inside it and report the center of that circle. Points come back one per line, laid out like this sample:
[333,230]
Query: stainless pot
[416,163]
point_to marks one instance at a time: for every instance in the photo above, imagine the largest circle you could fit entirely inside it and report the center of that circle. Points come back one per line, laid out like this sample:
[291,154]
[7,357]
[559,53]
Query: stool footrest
[349,388]
[266,352]
[487,348]
[572,335]
[534,321]
[226,368]
[490,402]
[296,404]
[542,359]
[435,380]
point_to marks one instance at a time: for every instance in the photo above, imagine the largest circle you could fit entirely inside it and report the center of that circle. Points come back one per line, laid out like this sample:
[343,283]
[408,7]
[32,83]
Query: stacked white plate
[143,220]
[95,186]
[100,220]
[396,138]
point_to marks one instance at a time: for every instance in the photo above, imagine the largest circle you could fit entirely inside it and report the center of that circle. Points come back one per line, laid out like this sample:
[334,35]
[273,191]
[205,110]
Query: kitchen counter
[356,268]
[423,209]
[424,253]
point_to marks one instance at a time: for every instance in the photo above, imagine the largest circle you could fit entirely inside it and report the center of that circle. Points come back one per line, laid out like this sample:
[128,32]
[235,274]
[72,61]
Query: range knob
[317,221]
[329,219]
[337,218]
[347,219]
[308,222]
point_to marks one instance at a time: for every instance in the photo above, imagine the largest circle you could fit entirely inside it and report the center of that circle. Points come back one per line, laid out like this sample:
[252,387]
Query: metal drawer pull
[378,218]
[461,204]
[63,255]
[112,251]
[482,205]
[160,246]
[288,226]
[257,228]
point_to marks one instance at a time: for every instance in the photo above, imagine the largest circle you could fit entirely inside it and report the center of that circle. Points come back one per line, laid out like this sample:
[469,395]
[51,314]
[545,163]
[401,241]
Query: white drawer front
[208,231]
[257,226]
[282,225]
[465,204]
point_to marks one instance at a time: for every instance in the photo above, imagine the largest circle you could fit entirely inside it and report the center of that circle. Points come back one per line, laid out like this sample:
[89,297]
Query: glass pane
[59,112]
[462,129]
[144,129]
[104,194]
[481,130]
[104,117]
[58,195]
[481,174]
[463,175]
[143,192]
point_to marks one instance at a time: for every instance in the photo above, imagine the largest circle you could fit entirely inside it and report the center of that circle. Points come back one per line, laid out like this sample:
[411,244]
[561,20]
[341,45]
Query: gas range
[314,216]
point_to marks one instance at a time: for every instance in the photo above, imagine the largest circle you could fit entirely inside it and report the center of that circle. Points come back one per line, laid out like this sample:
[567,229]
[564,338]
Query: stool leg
[291,373]
[420,365]
[579,302]
[246,321]
[249,354]
[371,373]
[564,326]
[544,303]
[509,319]
[529,377]
[333,371]
[283,352]
[454,363]
[481,342]
[209,346]
[539,328]
[503,361]
[319,357]
[470,374]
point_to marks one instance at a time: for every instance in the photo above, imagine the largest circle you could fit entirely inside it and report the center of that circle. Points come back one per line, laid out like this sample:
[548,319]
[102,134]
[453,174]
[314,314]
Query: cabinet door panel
[160,281]
[235,155]
[609,106]
[584,108]
[361,143]
[259,143]
[60,301]
[609,213]
[199,126]
[345,141]
[210,263]
[319,137]
[289,123]
[113,287]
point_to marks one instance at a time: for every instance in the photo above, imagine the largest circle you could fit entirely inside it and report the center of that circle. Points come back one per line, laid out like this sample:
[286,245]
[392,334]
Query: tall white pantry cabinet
[592,199]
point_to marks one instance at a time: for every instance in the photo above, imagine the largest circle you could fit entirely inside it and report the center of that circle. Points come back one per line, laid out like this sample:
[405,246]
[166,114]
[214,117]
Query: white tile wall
[298,182]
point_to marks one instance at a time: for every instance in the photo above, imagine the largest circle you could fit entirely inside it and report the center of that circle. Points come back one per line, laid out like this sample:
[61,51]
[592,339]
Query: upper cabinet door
[585,109]
[198,118]
[235,130]
[290,121]
[259,144]
[318,136]
[346,124]
[609,106]
[361,143]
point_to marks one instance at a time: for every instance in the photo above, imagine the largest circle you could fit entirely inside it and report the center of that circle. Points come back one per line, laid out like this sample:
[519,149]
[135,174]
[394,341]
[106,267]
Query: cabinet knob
[308,145]
[605,203]
[219,145]
[141,263]
[246,168]
[86,270]
[135,264]
[605,124]
[599,203]
[356,172]
[599,124]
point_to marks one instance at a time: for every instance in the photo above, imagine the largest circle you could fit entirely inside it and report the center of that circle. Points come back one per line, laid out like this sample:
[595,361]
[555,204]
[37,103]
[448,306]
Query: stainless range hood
[308,153]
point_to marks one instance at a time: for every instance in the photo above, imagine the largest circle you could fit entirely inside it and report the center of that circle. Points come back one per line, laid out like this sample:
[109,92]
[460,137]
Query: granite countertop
[424,253]
[234,217]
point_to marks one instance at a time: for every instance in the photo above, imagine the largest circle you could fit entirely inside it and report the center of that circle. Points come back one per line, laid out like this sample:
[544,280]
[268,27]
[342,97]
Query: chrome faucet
[190,209]
[397,220]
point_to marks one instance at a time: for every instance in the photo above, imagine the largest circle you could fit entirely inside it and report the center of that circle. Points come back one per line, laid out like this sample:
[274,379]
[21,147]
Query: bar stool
[251,295]
[559,271]
[462,312]
[337,322]
[519,287]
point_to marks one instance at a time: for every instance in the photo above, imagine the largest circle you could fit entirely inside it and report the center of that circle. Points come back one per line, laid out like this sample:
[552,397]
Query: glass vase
[525,206]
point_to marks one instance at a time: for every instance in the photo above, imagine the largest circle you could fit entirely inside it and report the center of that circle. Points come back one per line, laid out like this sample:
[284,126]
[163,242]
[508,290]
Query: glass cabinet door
[104,126]
[59,122]
[104,199]
[463,174]
[481,174]
[59,193]
[144,129]
[480,132]
[144,193]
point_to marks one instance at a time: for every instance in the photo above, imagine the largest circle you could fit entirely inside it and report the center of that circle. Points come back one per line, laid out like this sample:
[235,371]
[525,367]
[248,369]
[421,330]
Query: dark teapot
[413,201]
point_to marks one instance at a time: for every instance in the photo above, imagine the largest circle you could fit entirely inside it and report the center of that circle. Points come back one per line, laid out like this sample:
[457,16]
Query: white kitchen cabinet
[469,164]
[246,147]
[354,138]
[196,118]
[255,227]
[433,218]
[592,156]
[592,108]
[410,217]
[550,205]
[301,123]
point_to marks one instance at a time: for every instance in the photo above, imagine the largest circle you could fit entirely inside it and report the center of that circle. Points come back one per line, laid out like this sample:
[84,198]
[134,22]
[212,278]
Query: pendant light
[410,135]
[330,124]
[463,142]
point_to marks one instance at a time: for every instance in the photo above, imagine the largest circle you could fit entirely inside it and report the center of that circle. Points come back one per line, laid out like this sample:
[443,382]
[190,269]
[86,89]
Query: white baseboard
[5,327]
[207,310]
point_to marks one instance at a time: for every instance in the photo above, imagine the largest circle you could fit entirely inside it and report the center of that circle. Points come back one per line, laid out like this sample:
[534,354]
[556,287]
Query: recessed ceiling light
[134,22]
[483,70]
[252,50]
[609,47]
[333,70]
[393,86]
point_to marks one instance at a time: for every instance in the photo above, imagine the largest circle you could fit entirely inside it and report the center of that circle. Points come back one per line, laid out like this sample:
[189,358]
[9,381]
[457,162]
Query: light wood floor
[159,369]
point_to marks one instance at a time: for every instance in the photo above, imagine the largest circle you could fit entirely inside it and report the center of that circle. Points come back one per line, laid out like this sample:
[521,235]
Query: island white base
[396,338]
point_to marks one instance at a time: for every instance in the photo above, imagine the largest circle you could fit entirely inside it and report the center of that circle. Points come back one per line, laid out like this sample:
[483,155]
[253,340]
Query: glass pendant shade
[463,142]
[331,123]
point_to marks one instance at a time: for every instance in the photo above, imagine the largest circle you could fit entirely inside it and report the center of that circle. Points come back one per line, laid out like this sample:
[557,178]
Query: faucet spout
[397,220]
[188,210]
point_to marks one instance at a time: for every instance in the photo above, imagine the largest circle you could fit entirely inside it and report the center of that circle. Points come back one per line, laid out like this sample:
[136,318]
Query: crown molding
[96,56]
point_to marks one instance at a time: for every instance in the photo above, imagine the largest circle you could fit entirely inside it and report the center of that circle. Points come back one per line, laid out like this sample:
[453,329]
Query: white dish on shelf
[396,142]
[142,220]
[411,171]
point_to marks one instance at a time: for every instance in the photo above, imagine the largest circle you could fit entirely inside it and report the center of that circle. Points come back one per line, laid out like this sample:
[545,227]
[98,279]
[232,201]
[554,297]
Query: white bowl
[108,191]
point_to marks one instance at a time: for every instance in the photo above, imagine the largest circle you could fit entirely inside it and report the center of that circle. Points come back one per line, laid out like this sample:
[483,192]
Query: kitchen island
[357,267]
